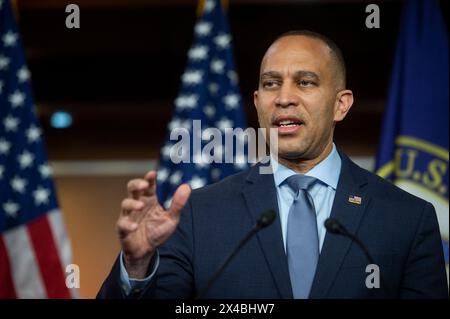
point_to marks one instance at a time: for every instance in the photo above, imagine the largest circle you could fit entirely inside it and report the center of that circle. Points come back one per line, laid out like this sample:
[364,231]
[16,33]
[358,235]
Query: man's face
[297,95]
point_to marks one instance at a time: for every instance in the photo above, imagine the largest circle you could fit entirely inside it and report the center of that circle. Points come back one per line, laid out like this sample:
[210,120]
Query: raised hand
[144,224]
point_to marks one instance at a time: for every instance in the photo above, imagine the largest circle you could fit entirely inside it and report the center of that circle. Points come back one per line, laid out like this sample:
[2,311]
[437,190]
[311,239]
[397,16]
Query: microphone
[264,220]
[335,227]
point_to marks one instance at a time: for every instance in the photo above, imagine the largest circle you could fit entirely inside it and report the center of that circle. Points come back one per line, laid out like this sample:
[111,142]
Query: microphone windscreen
[333,226]
[266,218]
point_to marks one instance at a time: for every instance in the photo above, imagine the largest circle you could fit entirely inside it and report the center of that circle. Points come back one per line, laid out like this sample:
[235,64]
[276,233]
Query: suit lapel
[349,213]
[260,195]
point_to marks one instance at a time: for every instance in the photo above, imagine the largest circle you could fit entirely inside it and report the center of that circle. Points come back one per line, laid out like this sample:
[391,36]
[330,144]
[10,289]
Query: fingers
[142,187]
[133,209]
[150,177]
[125,226]
[137,188]
[179,199]
[129,205]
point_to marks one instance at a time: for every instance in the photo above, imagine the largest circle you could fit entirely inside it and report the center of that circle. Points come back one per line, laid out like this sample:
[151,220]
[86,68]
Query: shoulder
[384,190]
[389,204]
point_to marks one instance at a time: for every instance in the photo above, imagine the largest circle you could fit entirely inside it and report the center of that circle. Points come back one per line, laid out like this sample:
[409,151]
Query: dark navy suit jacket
[399,229]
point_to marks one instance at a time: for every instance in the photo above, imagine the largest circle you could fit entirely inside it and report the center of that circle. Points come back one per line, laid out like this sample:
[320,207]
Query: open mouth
[287,125]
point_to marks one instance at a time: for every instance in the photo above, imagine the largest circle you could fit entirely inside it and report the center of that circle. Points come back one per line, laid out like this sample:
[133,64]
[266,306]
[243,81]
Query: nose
[286,96]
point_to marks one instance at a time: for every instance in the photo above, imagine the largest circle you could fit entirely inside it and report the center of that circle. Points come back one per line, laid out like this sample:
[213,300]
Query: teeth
[287,123]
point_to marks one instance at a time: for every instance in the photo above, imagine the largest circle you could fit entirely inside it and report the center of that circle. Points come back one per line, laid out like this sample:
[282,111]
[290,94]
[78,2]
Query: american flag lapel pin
[355,200]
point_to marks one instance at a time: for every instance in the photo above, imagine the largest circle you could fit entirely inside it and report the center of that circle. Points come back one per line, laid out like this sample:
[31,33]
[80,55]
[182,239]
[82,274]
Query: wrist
[137,268]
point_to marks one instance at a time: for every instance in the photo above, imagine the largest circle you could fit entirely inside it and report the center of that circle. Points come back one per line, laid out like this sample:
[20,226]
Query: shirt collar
[327,171]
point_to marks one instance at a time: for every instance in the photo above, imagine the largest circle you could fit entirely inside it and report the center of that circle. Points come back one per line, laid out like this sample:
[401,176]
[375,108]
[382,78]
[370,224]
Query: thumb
[179,199]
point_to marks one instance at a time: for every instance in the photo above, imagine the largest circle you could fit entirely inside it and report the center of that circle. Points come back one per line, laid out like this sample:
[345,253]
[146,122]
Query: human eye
[270,84]
[306,83]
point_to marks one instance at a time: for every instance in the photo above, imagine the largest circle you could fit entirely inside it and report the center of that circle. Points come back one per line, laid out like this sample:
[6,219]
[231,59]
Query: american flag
[209,93]
[34,248]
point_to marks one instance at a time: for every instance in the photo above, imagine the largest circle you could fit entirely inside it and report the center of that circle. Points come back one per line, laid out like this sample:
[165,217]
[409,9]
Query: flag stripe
[55,218]
[48,258]
[60,237]
[6,284]
[26,277]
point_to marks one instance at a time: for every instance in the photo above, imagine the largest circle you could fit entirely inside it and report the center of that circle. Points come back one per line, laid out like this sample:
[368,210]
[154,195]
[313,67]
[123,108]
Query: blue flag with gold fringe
[413,151]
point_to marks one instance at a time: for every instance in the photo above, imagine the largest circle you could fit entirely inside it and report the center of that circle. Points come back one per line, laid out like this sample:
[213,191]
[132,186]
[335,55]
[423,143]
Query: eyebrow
[297,74]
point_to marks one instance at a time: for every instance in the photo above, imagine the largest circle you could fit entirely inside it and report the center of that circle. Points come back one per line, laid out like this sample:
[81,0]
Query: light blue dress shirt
[322,193]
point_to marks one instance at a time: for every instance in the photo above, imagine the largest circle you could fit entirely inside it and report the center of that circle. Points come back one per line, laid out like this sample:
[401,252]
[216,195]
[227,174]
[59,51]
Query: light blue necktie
[302,237]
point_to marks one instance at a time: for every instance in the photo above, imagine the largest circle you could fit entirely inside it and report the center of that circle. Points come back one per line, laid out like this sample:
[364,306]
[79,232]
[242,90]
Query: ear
[255,99]
[344,101]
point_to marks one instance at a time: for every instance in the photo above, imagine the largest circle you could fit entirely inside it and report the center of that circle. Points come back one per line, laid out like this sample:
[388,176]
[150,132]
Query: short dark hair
[334,49]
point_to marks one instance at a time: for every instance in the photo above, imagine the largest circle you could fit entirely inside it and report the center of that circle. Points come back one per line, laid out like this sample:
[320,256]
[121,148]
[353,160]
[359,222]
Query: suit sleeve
[174,276]
[425,275]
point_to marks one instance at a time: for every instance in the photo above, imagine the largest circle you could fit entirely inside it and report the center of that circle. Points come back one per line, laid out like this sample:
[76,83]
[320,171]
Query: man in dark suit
[173,253]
